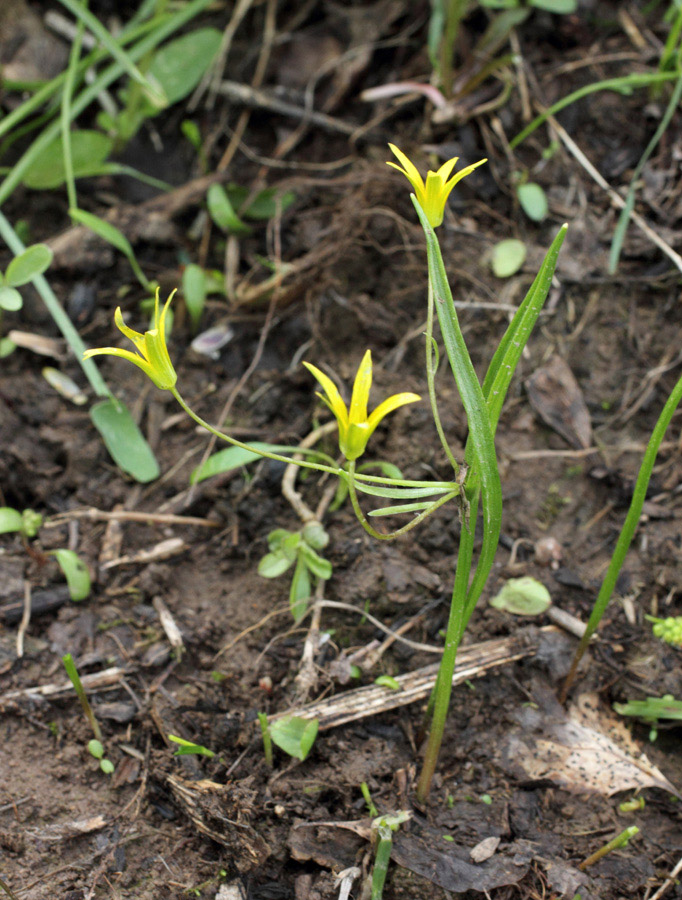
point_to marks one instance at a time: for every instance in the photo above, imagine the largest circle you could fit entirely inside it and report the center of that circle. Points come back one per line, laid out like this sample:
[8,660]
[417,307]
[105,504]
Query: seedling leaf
[508,257]
[294,735]
[23,268]
[523,596]
[75,571]
[124,440]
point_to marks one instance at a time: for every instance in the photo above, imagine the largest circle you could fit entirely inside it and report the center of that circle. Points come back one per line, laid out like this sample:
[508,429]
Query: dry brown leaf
[587,750]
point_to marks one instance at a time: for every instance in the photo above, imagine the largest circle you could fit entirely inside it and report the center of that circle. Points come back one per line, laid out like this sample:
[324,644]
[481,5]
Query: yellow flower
[433,195]
[355,426]
[152,351]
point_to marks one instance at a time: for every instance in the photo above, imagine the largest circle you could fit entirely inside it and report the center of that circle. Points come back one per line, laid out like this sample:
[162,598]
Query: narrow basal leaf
[124,440]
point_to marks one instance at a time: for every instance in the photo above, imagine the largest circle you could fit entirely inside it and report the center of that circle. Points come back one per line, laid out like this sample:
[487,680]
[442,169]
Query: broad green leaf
[294,735]
[124,440]
[556,6]
[234,458]
[300,591]
[75,571]
[179,66]
[523,597]
[508,257]
[320,568]
[222,212]
[194,290]
[105,230]
[533,200]
[10,520]
[89,150]
[23,268]
[274,564]
[10,299]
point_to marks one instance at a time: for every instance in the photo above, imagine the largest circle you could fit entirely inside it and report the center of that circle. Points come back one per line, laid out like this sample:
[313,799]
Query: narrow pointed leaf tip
[432,195]
[355,425]
[152,351]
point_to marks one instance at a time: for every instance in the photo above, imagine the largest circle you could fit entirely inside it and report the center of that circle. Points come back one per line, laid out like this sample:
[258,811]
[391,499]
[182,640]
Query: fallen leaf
[585,750]
[554,394]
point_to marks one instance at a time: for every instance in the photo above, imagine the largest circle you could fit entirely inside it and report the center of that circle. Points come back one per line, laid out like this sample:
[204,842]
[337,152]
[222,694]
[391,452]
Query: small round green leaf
[533,201]
[75,571]
[10,299]
[23,268]
[523,596]
[508,257]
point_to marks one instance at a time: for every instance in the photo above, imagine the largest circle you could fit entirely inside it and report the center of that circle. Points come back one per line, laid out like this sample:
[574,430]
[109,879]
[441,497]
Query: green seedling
[652,710]
[28,524]
[383,829]
[96,749]
[188,748]
[475,480]
[294,735]
[628,531]
[622,840]
[668,629]
[297,549]
[372,811]
[633,805]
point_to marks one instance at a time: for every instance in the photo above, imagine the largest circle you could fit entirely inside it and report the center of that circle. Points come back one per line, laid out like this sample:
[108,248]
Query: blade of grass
[623,85]
[624,218]
[127,63]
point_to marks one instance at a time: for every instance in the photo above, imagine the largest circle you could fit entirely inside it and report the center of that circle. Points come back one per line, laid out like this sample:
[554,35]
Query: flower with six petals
[355,425]
[432,195]
[152,351]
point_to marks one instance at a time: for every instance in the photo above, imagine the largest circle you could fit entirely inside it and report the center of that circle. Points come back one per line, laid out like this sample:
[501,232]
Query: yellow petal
[134,336]
[336,404]
[389,405]
[361,387]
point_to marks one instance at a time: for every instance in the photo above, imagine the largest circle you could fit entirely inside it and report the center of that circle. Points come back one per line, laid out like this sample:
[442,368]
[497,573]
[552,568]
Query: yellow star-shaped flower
[355,426]
[432,195]
[152,351]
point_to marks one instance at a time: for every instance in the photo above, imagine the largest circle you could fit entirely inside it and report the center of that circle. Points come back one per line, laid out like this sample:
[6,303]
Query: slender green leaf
[319,567]
[300,591]
[222,212]
[124,440]
[24,268]
[75,571]
[194,290]
[294,735]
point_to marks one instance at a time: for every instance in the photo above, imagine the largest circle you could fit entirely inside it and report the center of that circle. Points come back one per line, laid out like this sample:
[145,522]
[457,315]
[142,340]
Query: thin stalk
[65,117]
[453,636]
[72,672]
[431,379]
[393,534]
[63,322]
[628,532]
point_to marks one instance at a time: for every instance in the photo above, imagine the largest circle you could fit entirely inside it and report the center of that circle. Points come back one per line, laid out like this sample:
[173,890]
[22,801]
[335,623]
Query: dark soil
[228,827]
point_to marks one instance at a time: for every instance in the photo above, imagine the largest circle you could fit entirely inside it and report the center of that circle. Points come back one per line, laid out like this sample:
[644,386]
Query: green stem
[65,117]
[63,322]
[443,689]
[430,380]
[628,532]
[72,672]
[392,534]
